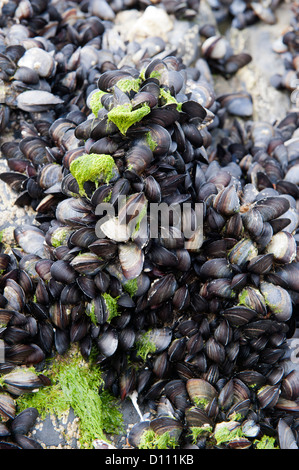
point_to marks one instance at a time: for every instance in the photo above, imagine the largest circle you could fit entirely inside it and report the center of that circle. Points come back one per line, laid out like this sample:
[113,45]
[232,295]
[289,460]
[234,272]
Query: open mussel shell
[131,259]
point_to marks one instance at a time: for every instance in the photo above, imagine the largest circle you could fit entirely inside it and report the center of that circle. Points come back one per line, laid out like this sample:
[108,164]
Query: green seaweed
[90,311]
[199,431]
[152,440]
[167,98]
[108,197]
[155,74]
[75,384]
[92,167]
[201,402]
[243,298]
[126,84]
[123,116]
[112,306]
[150,141]
[142,74]
[145,345]
[266,442]
[131,287]
[223,434]
[95,102]
[60,237]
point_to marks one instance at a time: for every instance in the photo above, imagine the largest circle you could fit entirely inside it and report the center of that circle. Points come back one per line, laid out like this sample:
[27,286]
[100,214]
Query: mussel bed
[192,319]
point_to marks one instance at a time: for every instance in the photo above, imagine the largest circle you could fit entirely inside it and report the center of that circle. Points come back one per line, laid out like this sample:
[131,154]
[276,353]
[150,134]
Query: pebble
[153,22]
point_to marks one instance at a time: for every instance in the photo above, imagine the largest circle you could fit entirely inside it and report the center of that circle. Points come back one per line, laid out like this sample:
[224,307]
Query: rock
[153,22]
[269,104]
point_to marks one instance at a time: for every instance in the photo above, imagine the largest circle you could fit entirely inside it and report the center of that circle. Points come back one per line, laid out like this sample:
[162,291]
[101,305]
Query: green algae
[112,306]
[75,384]
[90,311]
[199,431]
[266,442]
[150,141]
[152,440]
[131,287]
[96,103]
[223,434]
[243,298]
[126,85]
[108,197]
[169,99]
[142,74]
[155,74]
[201,402]
[92,167]
[60,237]
[145,345]
[123,116]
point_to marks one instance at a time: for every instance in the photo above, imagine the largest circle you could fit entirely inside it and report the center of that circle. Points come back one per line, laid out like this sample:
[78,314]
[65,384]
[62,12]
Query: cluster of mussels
[245,12]
[196,325]
[287,46]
